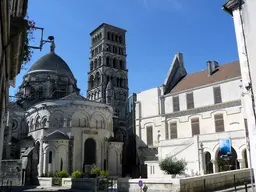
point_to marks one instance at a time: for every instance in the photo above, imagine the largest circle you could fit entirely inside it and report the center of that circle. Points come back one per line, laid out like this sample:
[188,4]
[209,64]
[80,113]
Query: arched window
[95,64]
[50,157]
[99,61]
[107,61]
[108,36]
[61,164]
[91,81]
[121,64]
[97,78]
[114,62]
[37,124]
[32,125]
[118,82]
[112,37]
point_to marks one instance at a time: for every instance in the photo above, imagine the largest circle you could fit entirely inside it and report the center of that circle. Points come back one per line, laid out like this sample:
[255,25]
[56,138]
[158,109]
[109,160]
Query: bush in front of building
[62,174]
[104,173]
[77,174]
[172,166]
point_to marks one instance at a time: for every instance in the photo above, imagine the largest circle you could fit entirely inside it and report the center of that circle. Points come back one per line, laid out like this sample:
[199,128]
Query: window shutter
[195,126]
[217,95]
[219,122]
[166,133]
[149,135]
[246,127]
[176,103]
[173,130]
[190,101]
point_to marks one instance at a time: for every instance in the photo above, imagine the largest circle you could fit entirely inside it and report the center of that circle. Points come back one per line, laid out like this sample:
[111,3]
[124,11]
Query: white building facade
[244,14]
[188,116]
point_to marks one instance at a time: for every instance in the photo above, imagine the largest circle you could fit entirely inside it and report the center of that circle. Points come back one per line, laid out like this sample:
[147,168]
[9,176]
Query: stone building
[187,117]
[243,13]
[12,28]
[108,76]
[55,128]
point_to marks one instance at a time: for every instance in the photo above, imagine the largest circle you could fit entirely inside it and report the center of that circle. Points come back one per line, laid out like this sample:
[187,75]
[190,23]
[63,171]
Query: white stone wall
[245,29]
[186,146]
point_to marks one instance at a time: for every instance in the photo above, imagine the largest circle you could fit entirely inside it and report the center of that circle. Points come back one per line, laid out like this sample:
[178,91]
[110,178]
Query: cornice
[197,110]
[231,5]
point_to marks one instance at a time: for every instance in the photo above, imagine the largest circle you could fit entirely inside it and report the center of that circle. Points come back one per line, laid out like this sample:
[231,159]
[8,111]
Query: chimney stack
[212,66]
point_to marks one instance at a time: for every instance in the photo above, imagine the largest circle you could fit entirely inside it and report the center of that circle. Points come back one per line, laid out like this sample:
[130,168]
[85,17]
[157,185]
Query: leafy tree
[172,166]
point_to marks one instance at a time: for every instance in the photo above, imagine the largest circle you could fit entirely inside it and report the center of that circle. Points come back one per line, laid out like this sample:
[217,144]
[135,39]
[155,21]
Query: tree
[172,166]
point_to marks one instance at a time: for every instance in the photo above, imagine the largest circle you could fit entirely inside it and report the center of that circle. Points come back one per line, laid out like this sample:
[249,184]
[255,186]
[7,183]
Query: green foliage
[95,171]
[62,174]
[104,173]
[173,166]
[77,174]
[28,33]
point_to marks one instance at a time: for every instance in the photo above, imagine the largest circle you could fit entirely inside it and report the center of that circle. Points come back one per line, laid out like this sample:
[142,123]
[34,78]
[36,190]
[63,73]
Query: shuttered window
[190,101]
[219,122]
[246,127]
[176,103]
[149,135]
[195,126]
[173,130]
[217,95]
[166,133]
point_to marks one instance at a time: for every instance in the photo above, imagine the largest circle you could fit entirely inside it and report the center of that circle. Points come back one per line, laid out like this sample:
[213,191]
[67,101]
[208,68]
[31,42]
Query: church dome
[51,62]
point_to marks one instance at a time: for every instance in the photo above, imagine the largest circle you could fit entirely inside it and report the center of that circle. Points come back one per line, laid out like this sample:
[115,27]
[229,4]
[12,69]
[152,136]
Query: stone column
[201,159]
[45,163]
[41,159]
[241,163]
[215,166]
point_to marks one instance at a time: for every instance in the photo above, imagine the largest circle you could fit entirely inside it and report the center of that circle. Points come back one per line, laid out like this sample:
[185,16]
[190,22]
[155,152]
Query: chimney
[212,67]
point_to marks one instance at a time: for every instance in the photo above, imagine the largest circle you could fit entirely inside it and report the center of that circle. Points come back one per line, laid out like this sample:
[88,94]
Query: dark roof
[224,72]
[51,62]
[56,135]
[105,24]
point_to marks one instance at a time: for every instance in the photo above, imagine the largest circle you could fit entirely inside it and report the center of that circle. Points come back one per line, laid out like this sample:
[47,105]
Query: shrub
[62,174]
[173,166]
[95,171]
[77,174]
[104,173]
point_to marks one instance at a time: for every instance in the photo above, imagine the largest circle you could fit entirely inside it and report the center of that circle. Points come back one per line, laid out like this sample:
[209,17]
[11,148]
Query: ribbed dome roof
[51,62]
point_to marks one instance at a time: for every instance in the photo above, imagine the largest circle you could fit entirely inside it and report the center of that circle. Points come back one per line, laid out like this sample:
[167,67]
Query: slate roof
[57,135]
[51,62]
[198,79]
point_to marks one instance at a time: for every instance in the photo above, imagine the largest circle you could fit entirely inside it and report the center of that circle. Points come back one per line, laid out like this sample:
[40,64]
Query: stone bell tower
[108,75]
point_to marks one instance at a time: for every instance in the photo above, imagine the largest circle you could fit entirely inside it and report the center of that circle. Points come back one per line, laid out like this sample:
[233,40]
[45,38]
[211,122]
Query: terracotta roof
[197,79]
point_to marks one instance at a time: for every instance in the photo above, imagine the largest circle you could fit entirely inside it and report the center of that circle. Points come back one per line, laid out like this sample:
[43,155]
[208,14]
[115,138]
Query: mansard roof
[197,79]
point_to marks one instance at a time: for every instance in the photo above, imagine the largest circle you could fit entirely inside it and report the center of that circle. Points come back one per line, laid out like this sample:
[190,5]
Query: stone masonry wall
[11,173]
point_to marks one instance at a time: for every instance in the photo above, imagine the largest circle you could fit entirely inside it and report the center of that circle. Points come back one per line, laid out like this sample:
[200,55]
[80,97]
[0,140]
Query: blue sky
[156,31]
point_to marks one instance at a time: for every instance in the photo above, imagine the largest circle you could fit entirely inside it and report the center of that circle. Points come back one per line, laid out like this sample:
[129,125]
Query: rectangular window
[173,130]
[149,135]
[190,101]
[246,127]
[166,133]
[176,103]
[217,95]
[219,123]
[195,126]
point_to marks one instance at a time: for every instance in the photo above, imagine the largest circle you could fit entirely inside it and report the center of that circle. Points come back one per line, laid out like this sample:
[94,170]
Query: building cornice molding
[232,5]
[197,110]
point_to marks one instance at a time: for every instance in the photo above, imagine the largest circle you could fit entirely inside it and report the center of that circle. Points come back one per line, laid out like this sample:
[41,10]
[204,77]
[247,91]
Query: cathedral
[53,128]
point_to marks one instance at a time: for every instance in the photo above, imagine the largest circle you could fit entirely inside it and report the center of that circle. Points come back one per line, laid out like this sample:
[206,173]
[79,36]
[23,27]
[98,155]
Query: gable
[74,96]
[175,73]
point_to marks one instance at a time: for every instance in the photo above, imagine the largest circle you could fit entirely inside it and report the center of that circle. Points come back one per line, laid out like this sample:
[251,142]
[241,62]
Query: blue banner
[225,147]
